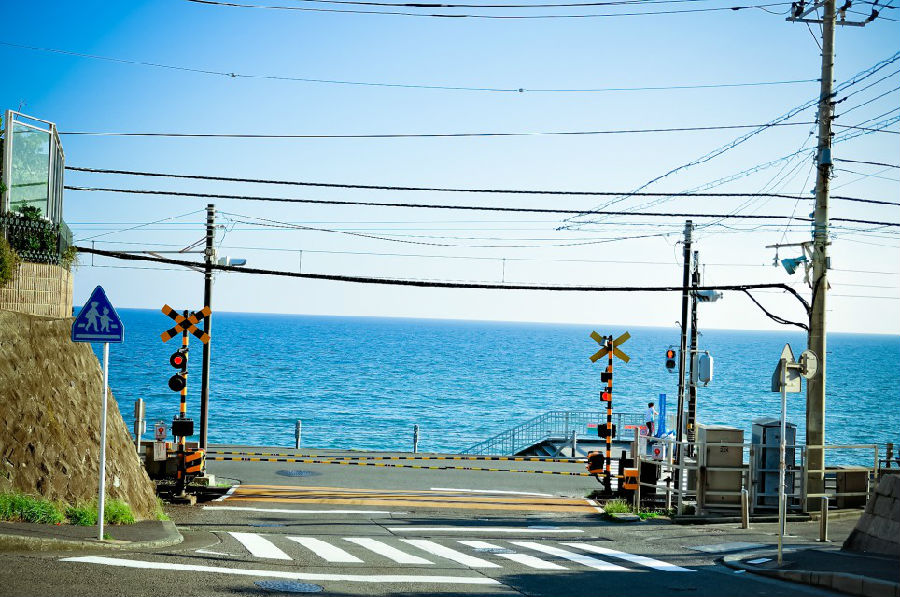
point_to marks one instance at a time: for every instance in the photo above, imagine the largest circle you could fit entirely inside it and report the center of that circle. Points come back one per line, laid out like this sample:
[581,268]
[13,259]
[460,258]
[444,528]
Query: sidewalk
[25,536]
[859,574]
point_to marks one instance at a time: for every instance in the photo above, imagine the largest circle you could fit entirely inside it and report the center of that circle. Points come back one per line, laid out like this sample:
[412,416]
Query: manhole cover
[296,473]
[287,586]
[493,550]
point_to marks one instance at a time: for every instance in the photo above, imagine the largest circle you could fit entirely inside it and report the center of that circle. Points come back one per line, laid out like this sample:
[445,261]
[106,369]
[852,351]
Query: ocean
[363,383]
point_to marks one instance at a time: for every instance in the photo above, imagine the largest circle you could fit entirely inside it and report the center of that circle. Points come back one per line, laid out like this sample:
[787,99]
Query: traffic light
[595,463]
[670,359]
[179,360]
[605,376]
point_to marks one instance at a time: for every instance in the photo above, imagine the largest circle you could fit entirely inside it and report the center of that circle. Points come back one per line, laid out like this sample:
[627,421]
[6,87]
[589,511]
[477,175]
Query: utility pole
[692,387]
[685,293]
[815,387]
[209,255]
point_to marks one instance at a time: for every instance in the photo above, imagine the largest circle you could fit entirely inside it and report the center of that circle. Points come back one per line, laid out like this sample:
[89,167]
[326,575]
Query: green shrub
[160,513]
[9,261]
[18,507]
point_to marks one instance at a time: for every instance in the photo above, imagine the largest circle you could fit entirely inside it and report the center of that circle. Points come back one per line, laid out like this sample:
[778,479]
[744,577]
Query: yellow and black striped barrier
[498,458]
[193,461]
[387,465]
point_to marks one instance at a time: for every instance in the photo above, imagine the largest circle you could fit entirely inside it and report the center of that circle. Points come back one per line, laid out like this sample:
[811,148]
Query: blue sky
[713,47]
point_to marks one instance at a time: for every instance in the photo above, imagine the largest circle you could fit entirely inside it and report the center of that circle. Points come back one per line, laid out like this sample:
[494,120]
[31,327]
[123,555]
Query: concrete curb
[852,584]
[27,543]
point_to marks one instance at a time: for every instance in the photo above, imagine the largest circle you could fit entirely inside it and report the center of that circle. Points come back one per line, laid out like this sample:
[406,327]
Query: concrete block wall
[878,530]
[39,289]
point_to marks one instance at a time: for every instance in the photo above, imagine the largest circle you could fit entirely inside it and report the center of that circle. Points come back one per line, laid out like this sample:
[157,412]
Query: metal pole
[692,386]
[823,520]
[745,509]
[415,439]
[209,257]
[298,429]
[101,500]
[685,295]
[574,444]
[815,387]
[784,366]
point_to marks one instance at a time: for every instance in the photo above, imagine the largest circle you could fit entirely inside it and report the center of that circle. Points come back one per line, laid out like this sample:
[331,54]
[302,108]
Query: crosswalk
[545,555]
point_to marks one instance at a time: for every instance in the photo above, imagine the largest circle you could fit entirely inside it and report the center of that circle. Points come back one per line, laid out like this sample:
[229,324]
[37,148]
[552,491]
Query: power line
[480,16]
[437,283]
[556,5]
[422,135]
[465,207]
[236,75]
[867,162]
[409,188]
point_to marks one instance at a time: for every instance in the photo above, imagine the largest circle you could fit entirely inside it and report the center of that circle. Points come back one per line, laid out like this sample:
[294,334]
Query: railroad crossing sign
[188,324]
[601,340]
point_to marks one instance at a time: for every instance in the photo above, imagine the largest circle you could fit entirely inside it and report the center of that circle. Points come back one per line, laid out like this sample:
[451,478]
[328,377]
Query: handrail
[554,424]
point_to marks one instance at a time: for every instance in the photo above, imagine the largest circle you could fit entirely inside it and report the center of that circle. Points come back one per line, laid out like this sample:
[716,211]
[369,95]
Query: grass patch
[18,507]
[617,507]
[117,512]
[160,513]
[83,516]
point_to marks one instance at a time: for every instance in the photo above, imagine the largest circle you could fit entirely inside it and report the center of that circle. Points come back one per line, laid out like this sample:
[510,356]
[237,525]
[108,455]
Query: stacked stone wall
[38,289]
[878,530]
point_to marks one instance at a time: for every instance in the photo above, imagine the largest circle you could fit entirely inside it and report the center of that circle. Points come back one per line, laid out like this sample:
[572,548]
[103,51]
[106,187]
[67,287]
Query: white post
[415,439]
[101,502]
[298,429]
[781,447]
[574,444]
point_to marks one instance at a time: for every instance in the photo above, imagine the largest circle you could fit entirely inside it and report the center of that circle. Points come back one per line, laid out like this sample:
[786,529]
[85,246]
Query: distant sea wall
[39,289]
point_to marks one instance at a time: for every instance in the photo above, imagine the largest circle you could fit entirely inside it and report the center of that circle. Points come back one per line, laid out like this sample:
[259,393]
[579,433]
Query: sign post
[609,348]
[98,322]
[786,378]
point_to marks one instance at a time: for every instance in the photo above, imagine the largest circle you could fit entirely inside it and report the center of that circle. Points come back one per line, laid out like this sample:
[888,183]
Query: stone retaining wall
[878,530]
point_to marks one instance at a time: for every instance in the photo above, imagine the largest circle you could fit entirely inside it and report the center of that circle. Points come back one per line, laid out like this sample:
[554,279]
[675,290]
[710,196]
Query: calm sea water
[364,382]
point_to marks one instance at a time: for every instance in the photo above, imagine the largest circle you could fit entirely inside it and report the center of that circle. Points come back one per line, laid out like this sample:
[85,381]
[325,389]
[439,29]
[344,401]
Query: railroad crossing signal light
[606,376]
[177,382]
[670,359]
[595,463]
[179,359]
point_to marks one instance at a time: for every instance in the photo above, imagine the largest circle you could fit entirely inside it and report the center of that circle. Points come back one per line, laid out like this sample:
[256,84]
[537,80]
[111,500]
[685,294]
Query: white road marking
[374,578]
[211,553]
[642,560]
[383,549]
[289,511]
[259,546]
[595,505]
[451,554]
[588,561]
[475,530]
[525,559]
[227,494]
[492,491]
[325,550]
[759,561]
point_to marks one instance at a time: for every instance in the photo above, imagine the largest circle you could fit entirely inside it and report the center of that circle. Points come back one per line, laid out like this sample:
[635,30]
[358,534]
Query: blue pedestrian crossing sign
[98,321]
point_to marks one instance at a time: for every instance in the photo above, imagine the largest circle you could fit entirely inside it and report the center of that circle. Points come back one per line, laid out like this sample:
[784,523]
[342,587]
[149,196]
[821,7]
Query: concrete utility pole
[692,387]
[685,293]
[815,387]
[209,255]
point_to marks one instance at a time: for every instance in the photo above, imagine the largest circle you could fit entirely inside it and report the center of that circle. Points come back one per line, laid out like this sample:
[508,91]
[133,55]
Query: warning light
[670,359]
[179,359]
[177,382]
[595,463]
[606,376]
[605,397]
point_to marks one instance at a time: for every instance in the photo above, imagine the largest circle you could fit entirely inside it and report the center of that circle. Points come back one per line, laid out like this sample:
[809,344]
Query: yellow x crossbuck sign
[601,340]
[183,323]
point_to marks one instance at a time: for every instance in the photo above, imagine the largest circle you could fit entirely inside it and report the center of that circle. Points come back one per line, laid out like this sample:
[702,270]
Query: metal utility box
[766,438]
[716,457]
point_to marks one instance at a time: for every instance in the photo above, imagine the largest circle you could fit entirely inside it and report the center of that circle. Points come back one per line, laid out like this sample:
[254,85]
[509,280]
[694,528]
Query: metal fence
[36,241]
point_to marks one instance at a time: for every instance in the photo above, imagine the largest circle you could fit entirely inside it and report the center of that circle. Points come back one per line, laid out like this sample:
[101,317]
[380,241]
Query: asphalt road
[382,531]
